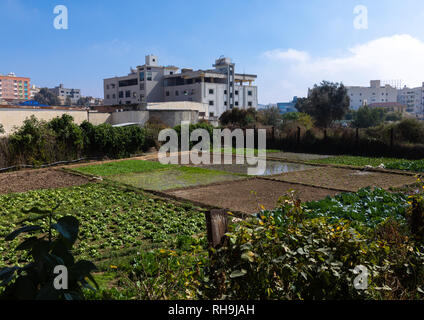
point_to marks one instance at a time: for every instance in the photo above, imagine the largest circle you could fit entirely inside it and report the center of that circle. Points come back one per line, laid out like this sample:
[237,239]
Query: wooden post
[357,136]
[392,138]
[298,135]
[216,226]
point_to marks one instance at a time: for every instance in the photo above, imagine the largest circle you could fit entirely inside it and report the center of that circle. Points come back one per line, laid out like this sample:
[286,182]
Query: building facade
[63,94]
[220,88]
[375,93]
[412,98]
[285,107]
[14,88]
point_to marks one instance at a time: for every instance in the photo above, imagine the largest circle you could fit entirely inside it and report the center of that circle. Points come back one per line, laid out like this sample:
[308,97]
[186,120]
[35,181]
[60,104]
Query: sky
[290,45]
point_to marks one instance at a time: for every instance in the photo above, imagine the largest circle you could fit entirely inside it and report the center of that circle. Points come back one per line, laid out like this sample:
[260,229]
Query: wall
[11,118]
[140,117]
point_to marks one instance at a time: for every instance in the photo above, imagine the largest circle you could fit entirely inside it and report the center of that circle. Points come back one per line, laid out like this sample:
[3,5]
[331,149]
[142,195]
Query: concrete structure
[14,88]
[62,93]
[413,98]
[220,88]
[375,93]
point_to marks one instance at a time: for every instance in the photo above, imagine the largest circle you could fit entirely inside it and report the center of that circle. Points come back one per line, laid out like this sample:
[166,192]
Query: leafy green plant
[36,279]
[286,255]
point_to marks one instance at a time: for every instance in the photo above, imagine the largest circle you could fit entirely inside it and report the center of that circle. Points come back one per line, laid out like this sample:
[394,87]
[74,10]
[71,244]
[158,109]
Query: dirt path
[248,195]
[23,181]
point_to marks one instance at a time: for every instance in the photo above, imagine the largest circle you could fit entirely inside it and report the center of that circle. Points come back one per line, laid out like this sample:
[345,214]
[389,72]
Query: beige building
[220,88]
[375,93]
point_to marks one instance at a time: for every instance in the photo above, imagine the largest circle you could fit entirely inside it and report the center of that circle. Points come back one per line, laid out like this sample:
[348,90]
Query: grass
[149,175]
[175,177]
[389,163]
[121,167]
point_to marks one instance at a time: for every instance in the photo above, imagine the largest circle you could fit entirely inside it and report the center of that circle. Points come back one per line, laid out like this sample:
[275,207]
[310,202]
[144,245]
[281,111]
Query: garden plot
[272,167]
[347,179]
[150,175]
[249,196]
[22,181]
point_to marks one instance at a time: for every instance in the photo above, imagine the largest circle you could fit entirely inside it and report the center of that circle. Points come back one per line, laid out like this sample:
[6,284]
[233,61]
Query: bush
[410,130]
[285,255]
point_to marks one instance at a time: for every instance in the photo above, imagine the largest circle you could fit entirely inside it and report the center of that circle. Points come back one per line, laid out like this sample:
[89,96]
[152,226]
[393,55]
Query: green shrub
[410,130]
[285,255]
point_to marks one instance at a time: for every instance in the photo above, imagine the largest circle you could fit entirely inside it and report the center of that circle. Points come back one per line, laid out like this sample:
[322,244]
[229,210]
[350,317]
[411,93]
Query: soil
[249,195]
[23,181]
[347,179]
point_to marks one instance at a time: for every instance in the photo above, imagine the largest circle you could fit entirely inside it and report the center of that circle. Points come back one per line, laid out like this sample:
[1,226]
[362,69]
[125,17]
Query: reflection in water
[272,167]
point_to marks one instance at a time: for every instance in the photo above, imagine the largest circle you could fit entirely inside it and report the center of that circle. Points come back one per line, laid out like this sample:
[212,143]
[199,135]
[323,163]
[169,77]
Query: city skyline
[289,55]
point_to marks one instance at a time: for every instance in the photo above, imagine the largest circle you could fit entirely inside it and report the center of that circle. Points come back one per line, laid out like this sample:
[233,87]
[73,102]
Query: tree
[270,116]
[45,96]
[299,117]
[240,117]
[326,103]
[1,129]
[367,117]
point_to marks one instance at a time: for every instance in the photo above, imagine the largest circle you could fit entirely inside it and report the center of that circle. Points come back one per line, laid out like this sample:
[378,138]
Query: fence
[341,141]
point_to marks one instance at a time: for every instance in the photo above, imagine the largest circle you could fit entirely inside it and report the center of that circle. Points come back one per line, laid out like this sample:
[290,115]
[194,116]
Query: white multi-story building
[220,88]
[412,98]
[375,93]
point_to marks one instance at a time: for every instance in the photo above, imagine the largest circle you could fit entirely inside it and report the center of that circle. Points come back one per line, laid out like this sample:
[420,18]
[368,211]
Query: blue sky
[291,45]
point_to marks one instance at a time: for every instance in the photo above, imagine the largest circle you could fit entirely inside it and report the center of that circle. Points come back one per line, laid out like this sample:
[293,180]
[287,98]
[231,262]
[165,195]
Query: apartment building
[220,88]
[375,93]
[412,98]
[62,93]
[14,88]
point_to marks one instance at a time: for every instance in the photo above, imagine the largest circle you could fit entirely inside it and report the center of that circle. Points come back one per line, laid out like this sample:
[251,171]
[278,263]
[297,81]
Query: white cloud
[287,73]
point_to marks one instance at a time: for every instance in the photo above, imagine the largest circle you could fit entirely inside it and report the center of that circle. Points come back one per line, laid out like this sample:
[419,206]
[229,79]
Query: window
[249,93]
[177,93]
[167,93]
[107,96]
[141,76]
[236,92]
[225,91]
[211,114]
[171,73]
[186,92]
[236,103]
[114,96]
[149,76]
[107,87]
[225,103]
[128,94]
[113,86]
[127,83]
[211,103]
[250,104]
[121,94]
[210,91]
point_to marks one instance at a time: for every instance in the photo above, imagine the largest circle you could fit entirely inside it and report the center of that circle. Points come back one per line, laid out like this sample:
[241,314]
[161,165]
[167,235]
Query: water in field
[272,167]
